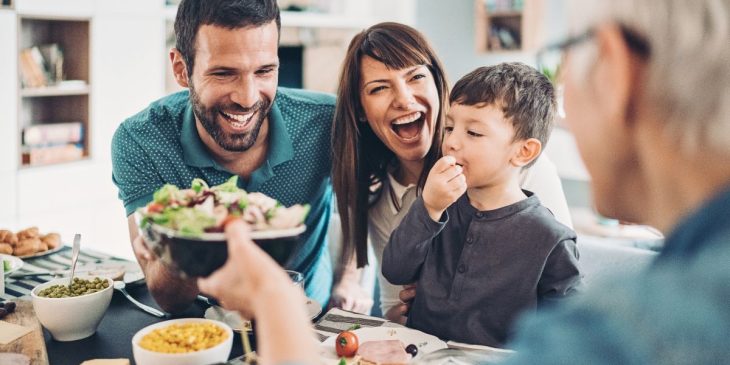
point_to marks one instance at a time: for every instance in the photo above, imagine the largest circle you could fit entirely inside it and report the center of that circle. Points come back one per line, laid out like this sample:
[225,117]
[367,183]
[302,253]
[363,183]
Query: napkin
[338,320]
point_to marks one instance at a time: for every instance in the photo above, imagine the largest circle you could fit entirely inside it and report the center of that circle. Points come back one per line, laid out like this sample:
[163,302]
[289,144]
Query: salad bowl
[184,228]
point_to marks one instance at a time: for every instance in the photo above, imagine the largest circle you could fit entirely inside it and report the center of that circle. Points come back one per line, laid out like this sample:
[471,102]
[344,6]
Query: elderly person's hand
[252,283]
[248,275]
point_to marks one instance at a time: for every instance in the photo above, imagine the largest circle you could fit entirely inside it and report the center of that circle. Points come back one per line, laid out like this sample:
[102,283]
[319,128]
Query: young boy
[482,258]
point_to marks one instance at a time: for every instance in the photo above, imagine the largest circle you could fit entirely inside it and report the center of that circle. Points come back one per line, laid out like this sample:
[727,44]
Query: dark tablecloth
[113,339]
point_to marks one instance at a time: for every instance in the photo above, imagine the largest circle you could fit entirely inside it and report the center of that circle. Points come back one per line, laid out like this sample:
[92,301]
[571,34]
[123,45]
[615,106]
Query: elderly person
[647,94]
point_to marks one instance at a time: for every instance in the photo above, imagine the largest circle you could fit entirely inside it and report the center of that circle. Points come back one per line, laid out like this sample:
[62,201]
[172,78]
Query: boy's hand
[445,184]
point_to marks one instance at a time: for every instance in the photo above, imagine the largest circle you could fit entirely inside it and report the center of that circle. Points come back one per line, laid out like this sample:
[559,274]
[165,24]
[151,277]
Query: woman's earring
[362,119]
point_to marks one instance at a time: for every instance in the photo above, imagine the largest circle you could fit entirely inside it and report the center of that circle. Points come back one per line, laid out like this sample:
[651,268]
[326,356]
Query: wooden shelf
[68,100]
[505,14]
[54,91]
[509,30]
[79,161]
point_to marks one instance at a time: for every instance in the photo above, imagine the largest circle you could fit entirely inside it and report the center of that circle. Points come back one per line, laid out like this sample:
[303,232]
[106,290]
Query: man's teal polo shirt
[160,145]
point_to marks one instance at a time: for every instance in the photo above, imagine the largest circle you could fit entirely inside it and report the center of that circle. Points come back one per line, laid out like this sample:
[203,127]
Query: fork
[74,257]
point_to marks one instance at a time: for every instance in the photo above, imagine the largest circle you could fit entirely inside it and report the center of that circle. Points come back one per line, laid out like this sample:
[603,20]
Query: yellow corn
[181,338]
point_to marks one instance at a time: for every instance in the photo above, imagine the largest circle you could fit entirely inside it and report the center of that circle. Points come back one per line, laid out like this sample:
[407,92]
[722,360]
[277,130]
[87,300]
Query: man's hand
[142,252]
[171,293]
[398,313]
[350,296]
[445,184]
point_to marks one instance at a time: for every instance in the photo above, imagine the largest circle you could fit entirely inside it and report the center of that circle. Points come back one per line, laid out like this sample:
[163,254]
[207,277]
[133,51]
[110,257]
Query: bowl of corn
[185,341]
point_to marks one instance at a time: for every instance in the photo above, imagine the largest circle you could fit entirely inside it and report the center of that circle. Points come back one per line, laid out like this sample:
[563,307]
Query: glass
[550,57]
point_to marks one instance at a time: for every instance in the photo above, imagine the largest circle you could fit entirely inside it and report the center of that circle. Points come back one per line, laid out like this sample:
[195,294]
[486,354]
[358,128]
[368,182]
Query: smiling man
[232,120]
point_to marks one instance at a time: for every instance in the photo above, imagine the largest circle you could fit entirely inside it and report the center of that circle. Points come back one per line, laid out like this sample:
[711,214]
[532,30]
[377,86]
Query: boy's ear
[527,151]
[179,68]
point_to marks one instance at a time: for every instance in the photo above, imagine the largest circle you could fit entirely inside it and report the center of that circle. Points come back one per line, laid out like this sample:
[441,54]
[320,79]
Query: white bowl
[216,354]
[73,318]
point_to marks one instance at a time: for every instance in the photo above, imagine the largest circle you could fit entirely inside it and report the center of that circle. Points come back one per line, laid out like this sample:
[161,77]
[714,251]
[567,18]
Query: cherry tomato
[230,218]
[155,207]
[346,344]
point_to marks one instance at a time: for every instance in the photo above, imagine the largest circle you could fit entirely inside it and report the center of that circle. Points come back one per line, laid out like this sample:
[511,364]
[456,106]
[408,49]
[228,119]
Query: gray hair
[688,79]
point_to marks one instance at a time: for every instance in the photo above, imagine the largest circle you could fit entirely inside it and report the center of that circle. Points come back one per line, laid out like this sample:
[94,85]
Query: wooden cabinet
[54,79]
[507,25]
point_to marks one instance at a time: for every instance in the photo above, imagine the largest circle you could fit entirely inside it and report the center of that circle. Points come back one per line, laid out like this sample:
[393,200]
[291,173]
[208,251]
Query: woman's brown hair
[360,159]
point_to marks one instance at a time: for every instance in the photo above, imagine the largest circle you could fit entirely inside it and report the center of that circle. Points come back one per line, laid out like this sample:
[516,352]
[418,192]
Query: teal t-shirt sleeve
[132,171]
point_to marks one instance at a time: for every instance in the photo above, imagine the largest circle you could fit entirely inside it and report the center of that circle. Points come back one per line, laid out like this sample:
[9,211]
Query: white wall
[8,118]
[127,61]
[450,26]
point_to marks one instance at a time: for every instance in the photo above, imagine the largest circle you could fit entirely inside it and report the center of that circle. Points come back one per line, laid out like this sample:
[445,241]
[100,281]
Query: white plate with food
[380,345]
[237,324]
[10,264]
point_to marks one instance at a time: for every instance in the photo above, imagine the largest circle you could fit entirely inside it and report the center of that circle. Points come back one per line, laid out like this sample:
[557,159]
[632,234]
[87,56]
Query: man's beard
[232,142]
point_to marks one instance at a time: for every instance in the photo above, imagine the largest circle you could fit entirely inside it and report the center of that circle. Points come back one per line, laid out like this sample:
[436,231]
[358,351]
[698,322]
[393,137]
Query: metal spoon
[74,257]
[121,287]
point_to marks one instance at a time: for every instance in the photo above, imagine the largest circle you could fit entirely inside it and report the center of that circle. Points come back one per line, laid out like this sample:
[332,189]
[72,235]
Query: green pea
[77,288]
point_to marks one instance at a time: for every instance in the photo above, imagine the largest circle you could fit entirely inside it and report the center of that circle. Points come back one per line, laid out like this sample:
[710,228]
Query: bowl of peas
[72,312]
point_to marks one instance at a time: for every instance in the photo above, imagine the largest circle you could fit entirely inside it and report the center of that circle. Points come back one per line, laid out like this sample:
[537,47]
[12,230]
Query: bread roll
[31,232]
[52,240]
[8,237]
[5,248]
[27,246]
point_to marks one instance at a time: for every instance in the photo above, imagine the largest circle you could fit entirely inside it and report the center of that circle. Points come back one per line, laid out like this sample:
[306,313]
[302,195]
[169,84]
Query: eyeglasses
[550,58]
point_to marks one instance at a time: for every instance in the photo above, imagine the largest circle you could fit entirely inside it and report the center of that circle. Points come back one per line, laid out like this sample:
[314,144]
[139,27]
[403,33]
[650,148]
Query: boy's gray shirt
[476,271]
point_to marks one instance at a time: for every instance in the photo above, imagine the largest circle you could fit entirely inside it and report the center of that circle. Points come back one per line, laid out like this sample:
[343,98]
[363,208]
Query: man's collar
[196,153]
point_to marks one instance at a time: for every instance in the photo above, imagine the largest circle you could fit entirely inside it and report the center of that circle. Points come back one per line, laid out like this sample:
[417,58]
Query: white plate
[234,320]
[42,253]
[15,263]
[426,343]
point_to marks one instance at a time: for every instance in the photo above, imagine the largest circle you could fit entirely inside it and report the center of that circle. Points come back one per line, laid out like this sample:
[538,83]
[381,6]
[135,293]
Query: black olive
[412,349]
[3,312]
[9,307]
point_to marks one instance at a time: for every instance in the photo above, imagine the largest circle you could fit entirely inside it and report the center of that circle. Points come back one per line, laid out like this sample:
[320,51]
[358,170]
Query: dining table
[122,320]
[113,338]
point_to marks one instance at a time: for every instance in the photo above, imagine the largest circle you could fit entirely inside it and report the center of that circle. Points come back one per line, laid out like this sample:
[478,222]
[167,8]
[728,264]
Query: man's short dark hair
[231,14]
[526,96]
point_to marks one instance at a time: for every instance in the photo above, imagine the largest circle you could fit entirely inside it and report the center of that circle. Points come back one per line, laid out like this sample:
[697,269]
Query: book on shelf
[45,155]
[41,65]
[31,69]
[53,134]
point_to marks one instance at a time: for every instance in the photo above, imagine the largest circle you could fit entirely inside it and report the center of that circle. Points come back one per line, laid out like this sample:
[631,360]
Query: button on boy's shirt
[161,145]
[477,271]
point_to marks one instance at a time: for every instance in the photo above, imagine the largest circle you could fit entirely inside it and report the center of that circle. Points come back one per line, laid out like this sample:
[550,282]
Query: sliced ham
[388,352]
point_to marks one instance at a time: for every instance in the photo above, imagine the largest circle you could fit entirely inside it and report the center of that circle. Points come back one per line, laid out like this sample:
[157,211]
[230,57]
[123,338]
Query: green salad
[203,209]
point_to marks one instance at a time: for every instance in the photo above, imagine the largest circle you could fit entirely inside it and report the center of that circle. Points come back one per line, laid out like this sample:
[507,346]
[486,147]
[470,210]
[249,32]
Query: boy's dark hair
[231,14]
[526,96]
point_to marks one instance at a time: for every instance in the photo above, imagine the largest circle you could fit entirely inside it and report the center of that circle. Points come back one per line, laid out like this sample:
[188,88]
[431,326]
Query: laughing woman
[386,136]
